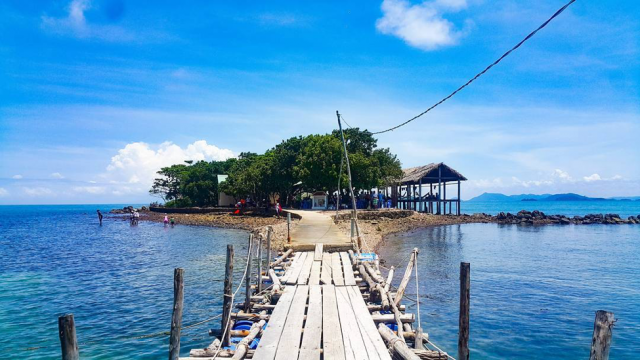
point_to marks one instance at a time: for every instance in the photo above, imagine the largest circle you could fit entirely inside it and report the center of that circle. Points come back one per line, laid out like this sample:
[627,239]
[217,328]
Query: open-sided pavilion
[424,188]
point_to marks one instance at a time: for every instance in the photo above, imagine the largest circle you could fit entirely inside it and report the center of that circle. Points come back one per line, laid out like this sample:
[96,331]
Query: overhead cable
[483,71]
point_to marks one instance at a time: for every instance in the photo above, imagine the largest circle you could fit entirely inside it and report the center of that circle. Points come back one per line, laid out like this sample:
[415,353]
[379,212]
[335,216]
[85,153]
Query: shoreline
[376,225]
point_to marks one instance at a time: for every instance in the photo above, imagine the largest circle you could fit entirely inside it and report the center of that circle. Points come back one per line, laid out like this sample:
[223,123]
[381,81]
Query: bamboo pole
[399,347]
[176,317]
[282,258]
[277,286]
[243,346]
[601,335]
[228,295]
[68,339]
[406,277]
[397,315]
[463,323]
[387,284]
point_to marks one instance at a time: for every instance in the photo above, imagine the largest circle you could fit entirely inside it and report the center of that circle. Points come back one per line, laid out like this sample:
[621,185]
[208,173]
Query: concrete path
[317,227]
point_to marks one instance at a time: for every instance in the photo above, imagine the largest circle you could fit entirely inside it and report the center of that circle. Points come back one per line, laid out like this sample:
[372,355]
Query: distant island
[546,197]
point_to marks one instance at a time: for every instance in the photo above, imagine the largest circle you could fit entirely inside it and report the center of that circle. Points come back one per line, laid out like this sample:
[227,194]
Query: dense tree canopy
[307,163]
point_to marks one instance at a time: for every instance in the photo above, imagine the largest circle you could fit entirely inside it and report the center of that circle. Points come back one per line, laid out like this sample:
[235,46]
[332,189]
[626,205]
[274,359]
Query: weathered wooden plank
[349,278]
[289,270]
[336,270]
[332,344]
[314,277]
[290,341]
[271,335]
[296,268]
[317,255]
[312,336]
[354,347]
[372,339]
[325,273]
[303,278]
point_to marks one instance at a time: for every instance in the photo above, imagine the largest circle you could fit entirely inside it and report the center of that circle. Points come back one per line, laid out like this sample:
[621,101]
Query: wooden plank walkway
[313,321]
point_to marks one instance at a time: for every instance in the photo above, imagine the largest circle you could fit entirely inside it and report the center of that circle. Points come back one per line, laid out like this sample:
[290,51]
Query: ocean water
[534,289]
[117,280]
[567,208]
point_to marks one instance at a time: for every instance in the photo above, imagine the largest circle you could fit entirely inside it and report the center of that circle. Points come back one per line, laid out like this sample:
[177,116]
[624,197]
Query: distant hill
[543,197]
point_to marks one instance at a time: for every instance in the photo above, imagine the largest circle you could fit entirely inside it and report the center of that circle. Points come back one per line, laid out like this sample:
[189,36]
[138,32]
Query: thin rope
[483,71]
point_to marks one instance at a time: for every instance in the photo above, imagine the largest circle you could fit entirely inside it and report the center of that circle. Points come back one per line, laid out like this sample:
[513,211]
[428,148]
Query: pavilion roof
[429,174]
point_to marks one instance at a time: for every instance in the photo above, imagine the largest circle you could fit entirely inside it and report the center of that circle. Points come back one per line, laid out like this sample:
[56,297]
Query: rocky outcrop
[538,217]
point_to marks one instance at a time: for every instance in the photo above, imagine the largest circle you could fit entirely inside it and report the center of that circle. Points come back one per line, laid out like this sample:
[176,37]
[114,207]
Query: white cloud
[594,177]
[562,175]
[3,192]
[422,25]
[16,177]
[135,166]
[90,189]
[37,191]
[57,175]
[75,24]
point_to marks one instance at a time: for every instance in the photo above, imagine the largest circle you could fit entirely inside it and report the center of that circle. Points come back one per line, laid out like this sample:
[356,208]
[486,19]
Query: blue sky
[96,95]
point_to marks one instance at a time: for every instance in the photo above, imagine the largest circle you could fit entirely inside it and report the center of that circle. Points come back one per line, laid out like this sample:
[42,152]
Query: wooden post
[458,208]
[463,323]
[439,187]
[228,296]
[247,279]
[601,335]
[353,227]
[259,280]
[420,207]
[68,340]
[269,230]
[289,228]
[176,317]
[444,189]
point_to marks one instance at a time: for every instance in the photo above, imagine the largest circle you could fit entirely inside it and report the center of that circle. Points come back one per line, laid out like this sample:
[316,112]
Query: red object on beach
[236,212]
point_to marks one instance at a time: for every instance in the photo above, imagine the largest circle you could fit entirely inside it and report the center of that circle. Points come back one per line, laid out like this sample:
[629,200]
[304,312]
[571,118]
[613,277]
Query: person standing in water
[100,217]
[166,220]
[173,222]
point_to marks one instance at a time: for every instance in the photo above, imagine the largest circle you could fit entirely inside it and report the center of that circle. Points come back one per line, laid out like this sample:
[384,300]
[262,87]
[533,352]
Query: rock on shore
[538,217]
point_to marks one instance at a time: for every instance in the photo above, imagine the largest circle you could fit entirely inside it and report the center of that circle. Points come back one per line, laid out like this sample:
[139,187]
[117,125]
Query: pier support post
[269,231]
[463,323]
[353,228]
[228,296]
[247,279]
[68,340]
[259,282]
[176,317]
[601,335]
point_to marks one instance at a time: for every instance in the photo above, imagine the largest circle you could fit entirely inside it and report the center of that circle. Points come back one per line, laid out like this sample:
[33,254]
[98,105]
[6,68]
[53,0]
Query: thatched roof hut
[430,174]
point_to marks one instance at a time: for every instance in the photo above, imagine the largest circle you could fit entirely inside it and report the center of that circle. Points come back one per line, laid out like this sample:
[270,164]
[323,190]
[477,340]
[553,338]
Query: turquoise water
[117,280]
[534,289]
[567,208]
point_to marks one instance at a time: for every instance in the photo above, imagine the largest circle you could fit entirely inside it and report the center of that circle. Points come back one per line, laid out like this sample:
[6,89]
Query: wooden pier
[322,304]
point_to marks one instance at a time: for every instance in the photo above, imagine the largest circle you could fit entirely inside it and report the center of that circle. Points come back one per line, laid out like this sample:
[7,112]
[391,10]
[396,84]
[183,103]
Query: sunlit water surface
[534,290]
[117,280]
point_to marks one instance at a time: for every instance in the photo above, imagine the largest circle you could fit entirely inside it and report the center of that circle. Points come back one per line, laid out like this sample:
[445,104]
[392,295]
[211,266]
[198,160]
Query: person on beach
[375,201]
[278,208]
[381,200]
[173,221]
[166,220]
[100,217]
